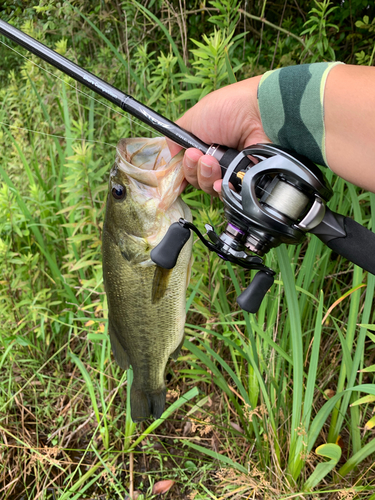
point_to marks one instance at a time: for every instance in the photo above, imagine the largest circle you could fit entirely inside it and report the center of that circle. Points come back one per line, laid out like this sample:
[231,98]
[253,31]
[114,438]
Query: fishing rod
[125,102]
[278,196]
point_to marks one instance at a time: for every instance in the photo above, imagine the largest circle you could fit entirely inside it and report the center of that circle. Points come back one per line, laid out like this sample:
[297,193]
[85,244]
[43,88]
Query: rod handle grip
[348,238]
[358,245]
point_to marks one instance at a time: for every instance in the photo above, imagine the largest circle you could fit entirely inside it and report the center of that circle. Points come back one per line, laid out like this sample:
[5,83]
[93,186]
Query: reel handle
[251,298]
[348,238]
[166,253]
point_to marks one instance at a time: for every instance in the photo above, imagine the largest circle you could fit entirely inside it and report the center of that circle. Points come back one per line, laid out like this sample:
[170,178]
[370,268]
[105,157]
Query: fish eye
[118,192]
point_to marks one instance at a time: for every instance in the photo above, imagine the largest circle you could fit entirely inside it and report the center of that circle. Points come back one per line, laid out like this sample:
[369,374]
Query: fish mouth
[144,153]
[147,163]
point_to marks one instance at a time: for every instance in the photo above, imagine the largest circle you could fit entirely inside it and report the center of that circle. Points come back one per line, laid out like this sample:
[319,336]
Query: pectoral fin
[160,283]
[133,248]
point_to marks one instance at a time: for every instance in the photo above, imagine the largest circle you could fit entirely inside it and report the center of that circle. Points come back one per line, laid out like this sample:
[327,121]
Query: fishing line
[264,190]
[124,115]
[58,136]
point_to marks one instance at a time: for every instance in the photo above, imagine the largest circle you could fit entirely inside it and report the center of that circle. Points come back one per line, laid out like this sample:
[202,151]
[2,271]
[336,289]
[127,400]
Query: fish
[146,303]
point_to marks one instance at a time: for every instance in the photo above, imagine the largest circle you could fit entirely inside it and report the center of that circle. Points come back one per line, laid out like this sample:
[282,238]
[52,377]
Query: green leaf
[193,293]
[85,263]
[366,399]
[370,423]
[149,14]
[332,451]
[314,360]
[189,94]
[357,458]
[231,77]
[217,456]
[89,384]
[297,355]
[96,337]
[368,369]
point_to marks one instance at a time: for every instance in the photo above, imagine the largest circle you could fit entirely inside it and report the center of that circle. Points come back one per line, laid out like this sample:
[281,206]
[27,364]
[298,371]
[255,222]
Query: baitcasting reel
[278,200]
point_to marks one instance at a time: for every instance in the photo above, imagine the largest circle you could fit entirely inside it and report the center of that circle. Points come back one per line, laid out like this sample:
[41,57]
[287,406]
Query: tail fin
[144,404]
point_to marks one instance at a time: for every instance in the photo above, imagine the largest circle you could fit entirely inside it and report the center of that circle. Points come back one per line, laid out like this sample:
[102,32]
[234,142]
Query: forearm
[325,111]
[349,108]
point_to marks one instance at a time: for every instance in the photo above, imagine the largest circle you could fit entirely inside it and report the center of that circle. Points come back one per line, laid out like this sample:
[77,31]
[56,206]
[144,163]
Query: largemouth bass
[146,304]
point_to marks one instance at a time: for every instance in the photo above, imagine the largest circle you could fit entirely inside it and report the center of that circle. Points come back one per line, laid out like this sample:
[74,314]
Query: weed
[272,405]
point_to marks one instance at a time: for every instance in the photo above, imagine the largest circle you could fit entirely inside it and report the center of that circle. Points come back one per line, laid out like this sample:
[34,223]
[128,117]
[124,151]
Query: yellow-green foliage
[252,396]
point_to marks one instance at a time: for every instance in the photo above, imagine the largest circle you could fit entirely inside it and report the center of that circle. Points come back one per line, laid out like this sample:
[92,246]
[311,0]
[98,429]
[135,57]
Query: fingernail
[190,163]
[206,170]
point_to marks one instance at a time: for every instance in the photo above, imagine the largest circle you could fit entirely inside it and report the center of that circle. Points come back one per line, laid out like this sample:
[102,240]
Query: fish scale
[146,304]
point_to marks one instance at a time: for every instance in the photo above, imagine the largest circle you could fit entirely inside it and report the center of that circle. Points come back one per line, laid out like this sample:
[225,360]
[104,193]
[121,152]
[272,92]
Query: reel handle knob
[251,298]
[166,253]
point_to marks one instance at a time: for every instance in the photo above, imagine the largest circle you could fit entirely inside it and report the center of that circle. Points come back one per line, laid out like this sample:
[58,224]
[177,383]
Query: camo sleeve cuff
[291,104]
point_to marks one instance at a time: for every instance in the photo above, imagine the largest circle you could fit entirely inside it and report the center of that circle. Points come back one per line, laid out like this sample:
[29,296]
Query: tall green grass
[266,399]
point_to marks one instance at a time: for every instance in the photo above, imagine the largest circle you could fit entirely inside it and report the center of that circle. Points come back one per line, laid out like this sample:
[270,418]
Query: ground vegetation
[268,406]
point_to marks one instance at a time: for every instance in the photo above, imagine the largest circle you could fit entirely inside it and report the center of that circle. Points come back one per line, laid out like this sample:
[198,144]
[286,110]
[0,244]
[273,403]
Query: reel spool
[282,197]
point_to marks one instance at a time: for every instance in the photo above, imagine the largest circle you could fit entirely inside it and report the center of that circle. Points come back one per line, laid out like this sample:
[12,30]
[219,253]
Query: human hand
[228,116]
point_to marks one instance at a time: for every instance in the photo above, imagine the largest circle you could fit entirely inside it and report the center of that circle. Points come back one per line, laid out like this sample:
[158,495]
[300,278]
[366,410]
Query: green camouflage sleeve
[291,104]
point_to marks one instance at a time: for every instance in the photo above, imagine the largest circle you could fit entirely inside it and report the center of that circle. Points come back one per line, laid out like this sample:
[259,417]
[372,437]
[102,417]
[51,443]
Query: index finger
[174,148]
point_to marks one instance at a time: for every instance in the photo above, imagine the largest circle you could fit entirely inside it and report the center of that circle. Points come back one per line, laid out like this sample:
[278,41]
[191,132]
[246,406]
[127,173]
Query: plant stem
[279,28]
[372,56]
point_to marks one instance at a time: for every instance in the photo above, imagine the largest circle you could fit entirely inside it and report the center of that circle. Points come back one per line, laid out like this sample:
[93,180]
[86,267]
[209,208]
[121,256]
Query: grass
[259,406]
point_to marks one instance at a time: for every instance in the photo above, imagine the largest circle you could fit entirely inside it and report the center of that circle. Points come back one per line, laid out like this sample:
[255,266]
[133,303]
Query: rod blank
[99,86]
